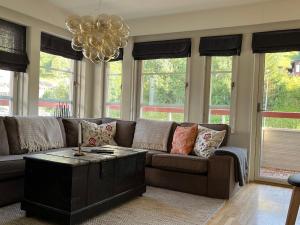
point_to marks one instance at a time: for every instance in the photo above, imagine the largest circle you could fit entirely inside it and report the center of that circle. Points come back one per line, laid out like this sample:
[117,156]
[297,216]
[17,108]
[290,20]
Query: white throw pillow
[98,135]
[207,140]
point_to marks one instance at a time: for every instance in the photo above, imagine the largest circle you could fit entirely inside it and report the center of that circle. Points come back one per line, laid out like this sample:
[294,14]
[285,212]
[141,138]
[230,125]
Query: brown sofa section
[149,156]
[177,181]
[180,163]
[4,147]
[221,179]
[213,177]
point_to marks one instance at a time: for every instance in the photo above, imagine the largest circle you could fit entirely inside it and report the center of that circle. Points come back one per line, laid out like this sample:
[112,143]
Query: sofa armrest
[221,176]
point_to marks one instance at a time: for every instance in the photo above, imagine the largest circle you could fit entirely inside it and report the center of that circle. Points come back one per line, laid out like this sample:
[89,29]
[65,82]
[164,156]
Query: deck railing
[167,109]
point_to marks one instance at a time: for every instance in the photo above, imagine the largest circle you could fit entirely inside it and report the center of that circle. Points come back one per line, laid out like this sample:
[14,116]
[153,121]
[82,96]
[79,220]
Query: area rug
[156,207]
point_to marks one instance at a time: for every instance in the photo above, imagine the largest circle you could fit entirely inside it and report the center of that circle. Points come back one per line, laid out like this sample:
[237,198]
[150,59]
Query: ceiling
[133,9]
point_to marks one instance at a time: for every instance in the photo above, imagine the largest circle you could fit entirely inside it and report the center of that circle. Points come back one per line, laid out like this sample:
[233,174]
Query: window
[113,89]
[6,92]
[298,68]
[163,83]
[220,89]
[279,116]
[57,75]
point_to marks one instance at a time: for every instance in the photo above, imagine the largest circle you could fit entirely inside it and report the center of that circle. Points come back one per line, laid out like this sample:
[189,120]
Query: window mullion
[233,100]
[208,60]
[15,92]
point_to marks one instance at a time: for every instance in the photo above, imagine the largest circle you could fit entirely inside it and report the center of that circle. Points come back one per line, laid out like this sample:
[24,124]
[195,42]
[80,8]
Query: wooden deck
[281,149]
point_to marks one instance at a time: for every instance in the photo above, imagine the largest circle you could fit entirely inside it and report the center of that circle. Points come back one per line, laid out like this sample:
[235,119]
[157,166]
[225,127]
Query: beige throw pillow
[98,135]
[207,141]
[152,134]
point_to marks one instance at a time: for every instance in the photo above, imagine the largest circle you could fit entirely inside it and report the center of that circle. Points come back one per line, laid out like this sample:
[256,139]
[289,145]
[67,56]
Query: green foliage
[281,89]
[163,82]
[220,89]
[56,75]
[113,113]
[59,92]
[114,79]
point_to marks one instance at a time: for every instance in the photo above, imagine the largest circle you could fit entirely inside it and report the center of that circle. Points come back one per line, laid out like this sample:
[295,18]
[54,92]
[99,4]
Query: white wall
[39,9]
[244,15]
[34,29]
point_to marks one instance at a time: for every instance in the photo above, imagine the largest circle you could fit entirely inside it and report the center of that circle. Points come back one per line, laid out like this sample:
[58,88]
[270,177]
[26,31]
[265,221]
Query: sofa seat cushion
[180,163]
[11,166]
[149,155]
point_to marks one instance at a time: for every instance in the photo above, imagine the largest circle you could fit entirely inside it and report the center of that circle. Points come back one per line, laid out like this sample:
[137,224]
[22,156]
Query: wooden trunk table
[69,189]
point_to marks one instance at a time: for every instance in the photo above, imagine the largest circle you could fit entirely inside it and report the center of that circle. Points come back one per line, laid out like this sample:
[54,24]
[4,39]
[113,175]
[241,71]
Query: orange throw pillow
[184,140]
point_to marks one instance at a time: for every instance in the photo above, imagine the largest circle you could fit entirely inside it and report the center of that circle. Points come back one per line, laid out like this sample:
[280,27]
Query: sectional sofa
[213,177]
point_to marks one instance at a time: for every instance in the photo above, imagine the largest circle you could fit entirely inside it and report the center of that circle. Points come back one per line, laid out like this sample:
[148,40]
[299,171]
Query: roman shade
[59,46]
[162,49]
[276,41]
[120,57]
[13,54]
[228,45]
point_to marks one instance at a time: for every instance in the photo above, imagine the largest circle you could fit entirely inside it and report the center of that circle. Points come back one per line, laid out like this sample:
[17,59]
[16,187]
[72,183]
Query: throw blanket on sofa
[150,134]
[240,162]
[39,133]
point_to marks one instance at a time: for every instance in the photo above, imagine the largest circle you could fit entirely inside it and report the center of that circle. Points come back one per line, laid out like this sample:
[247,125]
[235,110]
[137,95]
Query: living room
[154,112]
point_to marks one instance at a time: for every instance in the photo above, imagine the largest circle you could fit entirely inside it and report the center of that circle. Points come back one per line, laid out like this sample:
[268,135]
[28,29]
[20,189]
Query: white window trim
[138,89]
[78,84]
[233,98]
[105,90]
[187,90]
[78,88]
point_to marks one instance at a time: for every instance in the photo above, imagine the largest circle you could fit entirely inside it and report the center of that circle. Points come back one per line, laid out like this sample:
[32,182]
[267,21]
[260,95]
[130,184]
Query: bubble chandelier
[99,38]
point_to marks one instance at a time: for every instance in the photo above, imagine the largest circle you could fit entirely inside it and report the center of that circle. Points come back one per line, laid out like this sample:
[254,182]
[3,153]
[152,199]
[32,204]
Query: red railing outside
[4,102]
[173,109]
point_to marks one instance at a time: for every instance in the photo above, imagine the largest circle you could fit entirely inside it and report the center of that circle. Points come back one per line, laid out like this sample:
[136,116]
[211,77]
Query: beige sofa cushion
[151,134]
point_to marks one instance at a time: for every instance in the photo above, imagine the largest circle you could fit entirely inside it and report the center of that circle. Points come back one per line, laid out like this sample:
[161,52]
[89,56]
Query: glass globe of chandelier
[99,38]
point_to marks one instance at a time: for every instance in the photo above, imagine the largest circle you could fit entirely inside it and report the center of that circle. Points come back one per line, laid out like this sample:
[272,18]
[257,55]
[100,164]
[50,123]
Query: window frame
[233,97]
[15,82]
[105,89]
[75,84]
[138,92]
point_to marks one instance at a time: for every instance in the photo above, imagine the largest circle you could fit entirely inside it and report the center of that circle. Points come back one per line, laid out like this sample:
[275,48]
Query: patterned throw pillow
[184,140]
[98,135]
[207,140]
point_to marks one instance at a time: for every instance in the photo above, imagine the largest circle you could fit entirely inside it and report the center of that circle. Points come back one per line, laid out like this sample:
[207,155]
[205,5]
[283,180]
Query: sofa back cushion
[171,135]
[218,127]
[13,137]
[125,131]
[152,134]
[71,129]
[4,147]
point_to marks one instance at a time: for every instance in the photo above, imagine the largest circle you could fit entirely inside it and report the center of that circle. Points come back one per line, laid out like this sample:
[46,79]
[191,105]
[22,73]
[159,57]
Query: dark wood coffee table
[69,189]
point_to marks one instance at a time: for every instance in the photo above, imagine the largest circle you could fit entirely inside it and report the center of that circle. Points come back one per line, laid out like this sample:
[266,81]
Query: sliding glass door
[279,117]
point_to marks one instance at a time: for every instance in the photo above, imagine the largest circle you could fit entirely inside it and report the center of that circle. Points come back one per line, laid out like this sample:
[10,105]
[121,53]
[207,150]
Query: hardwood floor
[256,204]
